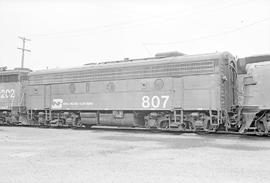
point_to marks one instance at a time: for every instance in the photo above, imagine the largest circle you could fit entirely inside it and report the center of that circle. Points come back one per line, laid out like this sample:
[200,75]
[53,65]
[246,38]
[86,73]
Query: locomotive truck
[170,91]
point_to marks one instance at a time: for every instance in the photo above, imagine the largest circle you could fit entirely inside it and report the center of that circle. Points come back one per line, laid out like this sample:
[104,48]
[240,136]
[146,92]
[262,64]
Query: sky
[75,32]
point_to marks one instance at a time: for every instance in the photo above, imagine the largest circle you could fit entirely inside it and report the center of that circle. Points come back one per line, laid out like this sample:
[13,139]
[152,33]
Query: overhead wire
[213,35]
[124,24]
[136,22]
[121,23]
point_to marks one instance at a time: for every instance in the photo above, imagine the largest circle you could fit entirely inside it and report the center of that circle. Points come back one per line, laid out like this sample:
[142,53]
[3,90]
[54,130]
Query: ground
[66,155]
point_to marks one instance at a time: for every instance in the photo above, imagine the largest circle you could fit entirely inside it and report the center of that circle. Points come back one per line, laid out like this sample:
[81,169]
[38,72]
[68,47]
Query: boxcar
[167,91]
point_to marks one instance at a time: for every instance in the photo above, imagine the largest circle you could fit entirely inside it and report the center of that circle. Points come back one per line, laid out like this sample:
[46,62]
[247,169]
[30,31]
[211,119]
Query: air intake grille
[174,69]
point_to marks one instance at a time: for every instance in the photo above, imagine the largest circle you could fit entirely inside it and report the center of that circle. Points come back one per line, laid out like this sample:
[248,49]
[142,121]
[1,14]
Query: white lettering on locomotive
[7,93]
[155,101]
[77,103]
[57,104]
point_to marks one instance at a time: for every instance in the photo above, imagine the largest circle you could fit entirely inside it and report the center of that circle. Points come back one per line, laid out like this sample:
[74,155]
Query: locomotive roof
[258,58]
[14,71]
[133,62]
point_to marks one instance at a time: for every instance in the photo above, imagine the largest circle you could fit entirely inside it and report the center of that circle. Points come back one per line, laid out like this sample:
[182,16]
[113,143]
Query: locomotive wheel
[189,125]
[164,124]
[87,126]
[78,125]
[206,125]
[260,127]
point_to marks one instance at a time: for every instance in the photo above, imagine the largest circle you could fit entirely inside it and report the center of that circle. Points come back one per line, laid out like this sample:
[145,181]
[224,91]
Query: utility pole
[23,49]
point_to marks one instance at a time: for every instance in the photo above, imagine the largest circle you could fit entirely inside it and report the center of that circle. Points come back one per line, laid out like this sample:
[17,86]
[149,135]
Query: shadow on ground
[186,142]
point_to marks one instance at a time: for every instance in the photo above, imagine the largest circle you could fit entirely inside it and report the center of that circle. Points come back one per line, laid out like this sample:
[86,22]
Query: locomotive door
[47,96]
[178,93]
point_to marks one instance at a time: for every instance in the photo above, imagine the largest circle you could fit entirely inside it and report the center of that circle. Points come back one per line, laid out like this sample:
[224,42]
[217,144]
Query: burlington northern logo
[57,103]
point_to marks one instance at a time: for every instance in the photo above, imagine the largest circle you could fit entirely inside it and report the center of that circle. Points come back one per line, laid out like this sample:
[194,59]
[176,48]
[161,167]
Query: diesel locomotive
[254,113]
[12,95]
[171,91]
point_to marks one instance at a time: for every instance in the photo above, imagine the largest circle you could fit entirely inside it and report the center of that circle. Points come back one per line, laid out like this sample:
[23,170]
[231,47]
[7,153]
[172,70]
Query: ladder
[48,114]
[177,112]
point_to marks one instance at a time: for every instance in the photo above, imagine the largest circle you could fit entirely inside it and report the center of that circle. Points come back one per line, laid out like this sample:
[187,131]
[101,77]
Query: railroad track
[141,130]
